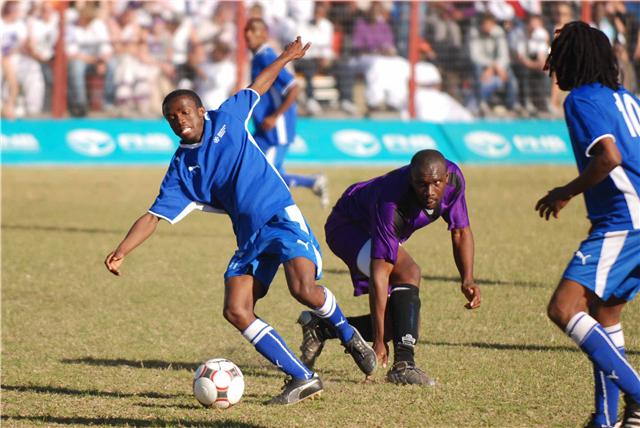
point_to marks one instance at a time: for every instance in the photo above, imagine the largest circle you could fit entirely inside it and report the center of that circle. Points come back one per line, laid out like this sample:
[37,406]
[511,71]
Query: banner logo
[487,144]
[356,143]
[90,142]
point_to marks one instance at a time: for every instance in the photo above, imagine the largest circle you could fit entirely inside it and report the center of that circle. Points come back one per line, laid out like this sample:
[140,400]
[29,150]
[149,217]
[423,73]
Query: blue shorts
[608,264]
[286,236]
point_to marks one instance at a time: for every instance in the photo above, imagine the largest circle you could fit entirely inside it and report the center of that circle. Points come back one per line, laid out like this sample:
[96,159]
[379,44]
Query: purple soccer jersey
[386,211]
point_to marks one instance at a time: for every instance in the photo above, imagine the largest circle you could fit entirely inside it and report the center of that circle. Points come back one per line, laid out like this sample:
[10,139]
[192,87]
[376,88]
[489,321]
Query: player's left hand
[472,292]
[113,262]
[295,50]
[553,202]
[269,122]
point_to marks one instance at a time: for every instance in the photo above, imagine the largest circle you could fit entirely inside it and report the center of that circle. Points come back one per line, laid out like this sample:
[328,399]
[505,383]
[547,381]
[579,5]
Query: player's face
[255,35]
[186,120]
[429,184]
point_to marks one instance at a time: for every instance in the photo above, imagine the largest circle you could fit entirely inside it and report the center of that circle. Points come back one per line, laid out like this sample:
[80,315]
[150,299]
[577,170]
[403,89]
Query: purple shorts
[345,239]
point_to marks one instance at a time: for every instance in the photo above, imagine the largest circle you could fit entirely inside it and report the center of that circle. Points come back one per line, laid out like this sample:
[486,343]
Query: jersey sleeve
[384,239]
[241,104]
[457,216]
[589,122]
[172,204]
[284,82]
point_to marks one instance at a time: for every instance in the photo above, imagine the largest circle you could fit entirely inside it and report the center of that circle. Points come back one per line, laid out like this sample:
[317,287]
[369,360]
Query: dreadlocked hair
[581,55]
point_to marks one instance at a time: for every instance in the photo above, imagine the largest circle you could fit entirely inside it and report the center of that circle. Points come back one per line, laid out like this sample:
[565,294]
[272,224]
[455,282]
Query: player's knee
[237,315]
[410,273]
[558,313]
[303,289]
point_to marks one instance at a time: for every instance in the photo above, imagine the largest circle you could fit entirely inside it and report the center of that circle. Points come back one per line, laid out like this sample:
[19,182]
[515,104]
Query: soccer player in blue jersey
[275,116]
[218,167]
[604,125]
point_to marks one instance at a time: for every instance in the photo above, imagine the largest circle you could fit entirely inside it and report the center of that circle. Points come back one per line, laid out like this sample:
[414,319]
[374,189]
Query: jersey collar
[261,48]
[205,135]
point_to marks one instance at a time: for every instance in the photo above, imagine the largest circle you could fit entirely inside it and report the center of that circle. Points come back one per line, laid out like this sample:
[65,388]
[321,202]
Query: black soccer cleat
[362,353]
[296,390]
[631,417]
[312,341]
[406,373]
[591,423]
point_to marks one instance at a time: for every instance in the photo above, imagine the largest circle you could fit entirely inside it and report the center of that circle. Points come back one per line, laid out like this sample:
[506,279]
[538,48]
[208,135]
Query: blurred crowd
[477,58]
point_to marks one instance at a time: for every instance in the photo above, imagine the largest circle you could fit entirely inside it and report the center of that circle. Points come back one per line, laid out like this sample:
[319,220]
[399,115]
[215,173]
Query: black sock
[361,323]
[404,305]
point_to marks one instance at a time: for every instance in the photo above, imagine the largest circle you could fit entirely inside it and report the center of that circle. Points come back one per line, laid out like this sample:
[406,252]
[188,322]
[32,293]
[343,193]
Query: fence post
[414,40]
[59,89]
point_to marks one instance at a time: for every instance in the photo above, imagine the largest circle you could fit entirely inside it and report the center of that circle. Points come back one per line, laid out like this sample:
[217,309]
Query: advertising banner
[355,142]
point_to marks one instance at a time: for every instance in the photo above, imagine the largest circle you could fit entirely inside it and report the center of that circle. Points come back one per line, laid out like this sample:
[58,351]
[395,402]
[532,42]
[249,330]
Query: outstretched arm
[463,253]
[294,50]
[606,157]
[139,232]
[378,295]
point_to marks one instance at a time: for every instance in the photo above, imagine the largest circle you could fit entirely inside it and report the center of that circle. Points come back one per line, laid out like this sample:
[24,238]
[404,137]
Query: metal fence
[433,61]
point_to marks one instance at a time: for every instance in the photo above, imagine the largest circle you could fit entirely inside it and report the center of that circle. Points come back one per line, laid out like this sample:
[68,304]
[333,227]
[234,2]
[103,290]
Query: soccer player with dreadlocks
[604,125]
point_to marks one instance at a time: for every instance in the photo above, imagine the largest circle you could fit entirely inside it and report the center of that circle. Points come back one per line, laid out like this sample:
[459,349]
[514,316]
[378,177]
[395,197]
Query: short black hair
[581,54]
[256,20]
[182,93]
[425,158]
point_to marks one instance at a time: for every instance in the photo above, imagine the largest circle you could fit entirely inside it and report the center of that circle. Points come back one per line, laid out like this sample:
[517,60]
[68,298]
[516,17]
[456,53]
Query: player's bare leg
[241,293]
[300,273]
[568,310]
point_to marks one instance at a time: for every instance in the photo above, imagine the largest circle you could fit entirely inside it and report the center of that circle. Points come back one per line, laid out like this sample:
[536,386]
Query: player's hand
[295,50]
[553,202]
[382,352]
[472,293]
[269,122]
[113,262]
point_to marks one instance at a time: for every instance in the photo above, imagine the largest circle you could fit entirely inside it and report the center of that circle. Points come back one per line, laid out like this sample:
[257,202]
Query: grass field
[82,347]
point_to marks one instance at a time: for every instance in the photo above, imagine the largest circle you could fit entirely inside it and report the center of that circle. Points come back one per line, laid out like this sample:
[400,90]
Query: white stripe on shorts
[363,261]
[611,248]
[622,182]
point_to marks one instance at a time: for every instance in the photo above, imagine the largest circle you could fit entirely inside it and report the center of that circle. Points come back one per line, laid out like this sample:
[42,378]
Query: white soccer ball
[218,383]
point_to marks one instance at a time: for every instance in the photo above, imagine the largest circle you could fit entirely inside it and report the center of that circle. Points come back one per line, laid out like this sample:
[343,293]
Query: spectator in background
[343,16]
[220,28]
[159,52]
[489,54]
[562,13]
[215,78]
[377,59]
[432,104]
[529,56]
[24,76]
[319,32]
[444,35]
[89,50]
[14,35]
[43,28]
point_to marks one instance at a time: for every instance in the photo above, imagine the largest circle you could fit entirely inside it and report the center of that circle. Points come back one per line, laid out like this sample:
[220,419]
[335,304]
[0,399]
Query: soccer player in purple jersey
[604,274]
[366,230]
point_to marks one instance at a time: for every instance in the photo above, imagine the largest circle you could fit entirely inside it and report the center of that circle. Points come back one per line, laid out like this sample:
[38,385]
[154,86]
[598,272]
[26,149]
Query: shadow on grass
[247,369]
[114,421]
[456,279]
[89,230]
[514,347]
[40,389]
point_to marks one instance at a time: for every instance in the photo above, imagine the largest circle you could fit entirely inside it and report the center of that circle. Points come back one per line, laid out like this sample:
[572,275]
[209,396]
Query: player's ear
[201,111]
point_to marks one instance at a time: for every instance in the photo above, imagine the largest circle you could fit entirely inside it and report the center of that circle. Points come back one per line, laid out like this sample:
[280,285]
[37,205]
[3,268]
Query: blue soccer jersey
[594,112]
[224,172]
[285,130]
